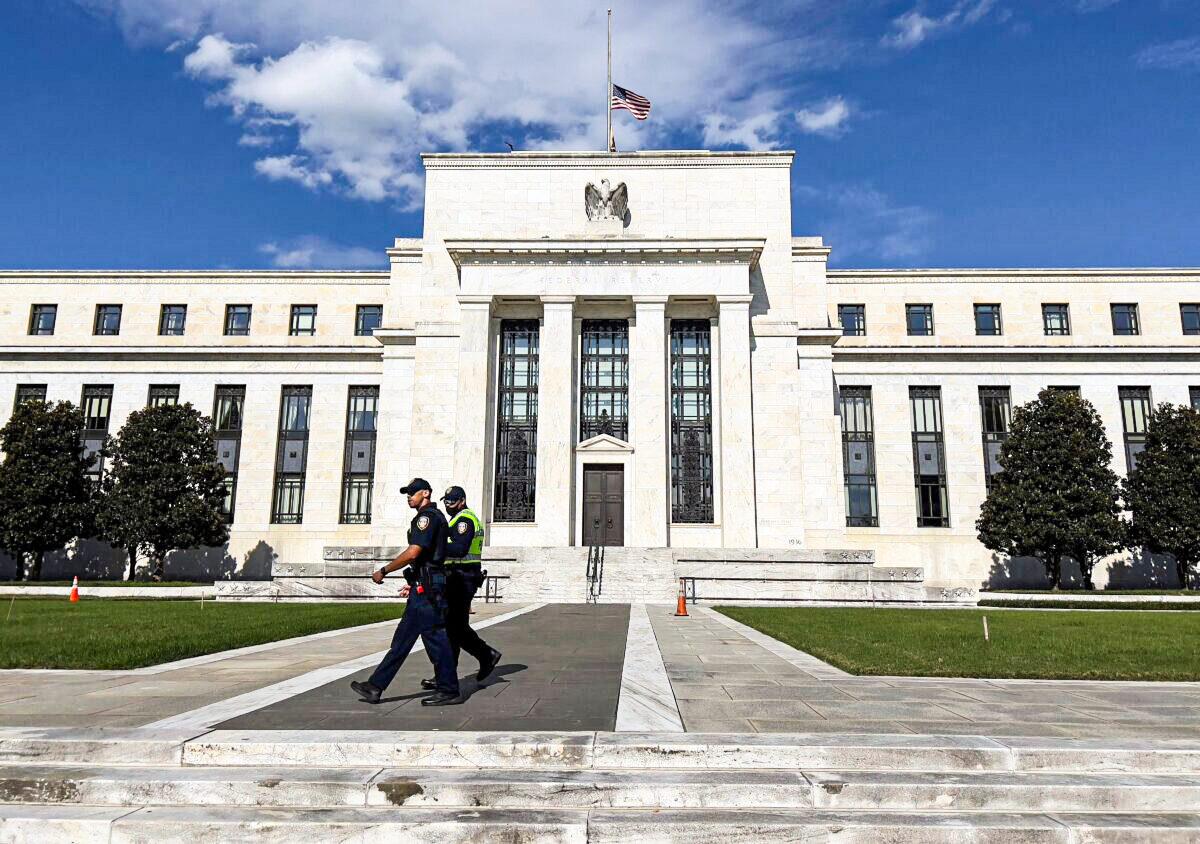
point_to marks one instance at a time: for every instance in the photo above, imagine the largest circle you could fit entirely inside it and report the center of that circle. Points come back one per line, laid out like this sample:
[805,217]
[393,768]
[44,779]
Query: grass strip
[949,643]
[1034,603]
[98,634]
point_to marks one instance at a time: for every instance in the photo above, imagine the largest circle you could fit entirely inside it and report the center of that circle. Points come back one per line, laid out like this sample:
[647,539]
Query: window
[96,405]
[304,321]
[995,408]
[161,394]
[929,457]
[1194,395]
[987,321]
[171,320]
[291,456]
[920,320]
[516,422]
[229,402]
[691,422]
[108,320]
[858,456]
[358,462]
[1135,415]
[1189,314]
[1056,320]
[604,379]
[1125,320]
[366,319]
[853,319]
[41,319]
[237,320]
[30,392]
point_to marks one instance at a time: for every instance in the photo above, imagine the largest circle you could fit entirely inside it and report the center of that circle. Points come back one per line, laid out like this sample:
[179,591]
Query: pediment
[604,444]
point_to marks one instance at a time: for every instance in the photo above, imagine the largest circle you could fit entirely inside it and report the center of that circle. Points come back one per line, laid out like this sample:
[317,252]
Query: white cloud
[826,118]
[353,91]
[1088,6]
[862,222]
[914,27]
[1182,54]
[314,252]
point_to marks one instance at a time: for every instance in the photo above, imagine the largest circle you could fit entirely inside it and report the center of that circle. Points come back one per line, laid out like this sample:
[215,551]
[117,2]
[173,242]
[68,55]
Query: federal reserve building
[634,369]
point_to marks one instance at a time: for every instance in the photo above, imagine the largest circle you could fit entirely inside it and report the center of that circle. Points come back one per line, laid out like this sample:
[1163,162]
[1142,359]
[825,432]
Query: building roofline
[1018,272]
[238,274]
[600,154]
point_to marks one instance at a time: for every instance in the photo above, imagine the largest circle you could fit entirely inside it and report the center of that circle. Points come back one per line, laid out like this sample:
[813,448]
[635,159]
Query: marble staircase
[652,575]
[229,785]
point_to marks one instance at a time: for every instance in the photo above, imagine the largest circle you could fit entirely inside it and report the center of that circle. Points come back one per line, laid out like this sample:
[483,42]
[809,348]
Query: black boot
[429,684]
[366,691]
[488,665]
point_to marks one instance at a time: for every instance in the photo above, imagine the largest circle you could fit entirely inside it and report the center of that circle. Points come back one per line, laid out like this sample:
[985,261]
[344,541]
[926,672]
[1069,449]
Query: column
[737,424]
[471,412]
[389,510]
[556,416]
[650,485]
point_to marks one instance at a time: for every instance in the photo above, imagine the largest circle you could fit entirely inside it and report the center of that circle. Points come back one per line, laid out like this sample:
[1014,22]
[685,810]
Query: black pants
[461,585]
[422,620]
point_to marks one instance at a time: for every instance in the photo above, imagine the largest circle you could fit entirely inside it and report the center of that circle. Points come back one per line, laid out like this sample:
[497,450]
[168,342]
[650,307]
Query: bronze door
[603,505]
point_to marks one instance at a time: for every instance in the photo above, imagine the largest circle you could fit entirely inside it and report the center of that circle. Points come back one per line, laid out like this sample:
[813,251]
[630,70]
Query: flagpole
[608,90]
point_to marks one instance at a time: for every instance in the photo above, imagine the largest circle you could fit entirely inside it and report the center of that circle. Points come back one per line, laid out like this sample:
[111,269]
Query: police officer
[464,576]
[424,616]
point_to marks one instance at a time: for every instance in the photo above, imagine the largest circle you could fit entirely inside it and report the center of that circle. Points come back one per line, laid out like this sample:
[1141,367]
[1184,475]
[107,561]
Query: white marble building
[737,413]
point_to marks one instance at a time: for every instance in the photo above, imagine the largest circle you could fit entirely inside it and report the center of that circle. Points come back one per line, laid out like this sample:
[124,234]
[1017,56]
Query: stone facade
[707,237]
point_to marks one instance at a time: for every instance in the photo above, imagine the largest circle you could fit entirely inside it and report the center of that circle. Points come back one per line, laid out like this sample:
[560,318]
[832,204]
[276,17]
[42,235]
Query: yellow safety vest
[475,552]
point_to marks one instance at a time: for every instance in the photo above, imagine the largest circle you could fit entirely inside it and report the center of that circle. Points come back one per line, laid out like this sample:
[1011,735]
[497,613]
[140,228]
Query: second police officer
[464,576]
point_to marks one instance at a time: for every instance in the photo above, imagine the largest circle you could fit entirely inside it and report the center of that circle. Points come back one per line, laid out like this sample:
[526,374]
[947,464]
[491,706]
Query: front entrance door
[603,505]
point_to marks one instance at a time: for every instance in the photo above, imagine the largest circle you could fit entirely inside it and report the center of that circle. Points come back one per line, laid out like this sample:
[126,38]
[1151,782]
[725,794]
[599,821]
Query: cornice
[1032,353]
[591,160]
[215,275]
[219,353]
[610,250]
[1147,274]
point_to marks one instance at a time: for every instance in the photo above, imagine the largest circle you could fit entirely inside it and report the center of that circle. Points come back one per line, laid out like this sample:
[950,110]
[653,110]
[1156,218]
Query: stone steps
[49,824]
[303,788]
[595,751]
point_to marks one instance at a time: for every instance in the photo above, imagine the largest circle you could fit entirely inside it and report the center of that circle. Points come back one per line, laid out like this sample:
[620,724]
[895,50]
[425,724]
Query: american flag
[635,104]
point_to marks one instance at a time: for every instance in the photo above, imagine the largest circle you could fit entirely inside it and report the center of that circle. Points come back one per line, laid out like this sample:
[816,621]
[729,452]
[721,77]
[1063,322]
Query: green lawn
[106,583]
[54,633]
[1035,603]
[949,643]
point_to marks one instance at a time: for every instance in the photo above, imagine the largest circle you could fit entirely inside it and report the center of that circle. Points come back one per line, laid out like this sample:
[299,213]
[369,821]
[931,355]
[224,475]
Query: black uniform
[425,615]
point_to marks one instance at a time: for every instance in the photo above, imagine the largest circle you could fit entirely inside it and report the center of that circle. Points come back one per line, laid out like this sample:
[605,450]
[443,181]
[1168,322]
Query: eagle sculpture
[605,202]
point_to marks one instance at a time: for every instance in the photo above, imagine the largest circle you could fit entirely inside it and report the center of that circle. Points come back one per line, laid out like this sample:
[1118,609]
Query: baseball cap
[454,493]
[416,485]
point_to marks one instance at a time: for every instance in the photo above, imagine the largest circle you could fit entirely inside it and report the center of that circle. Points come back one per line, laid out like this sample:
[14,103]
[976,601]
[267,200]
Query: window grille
[237,320]
[171,320]
[516,422]
[1189,315]
[108,320]
[304,321]
[366,319]
[929,457]
[858,456]
[96,405]
[987,321]
[161,394]
[1125,320]
[291,456]
[42,319]
[691,422]
[30,392]
[1194,395]
[995,409]
[229,402]
[1056,320]
[1135,416]
[604,379]
[853,319]
[919,319]
[358,460]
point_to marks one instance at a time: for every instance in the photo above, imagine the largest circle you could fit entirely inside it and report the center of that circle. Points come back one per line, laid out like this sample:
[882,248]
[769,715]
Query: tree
[164,486]
[1057,496]
[1163,492]
[45,496]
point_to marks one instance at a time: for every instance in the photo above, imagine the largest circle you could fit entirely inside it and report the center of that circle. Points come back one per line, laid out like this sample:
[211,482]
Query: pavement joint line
[647,701]
[805,662]
[214,713]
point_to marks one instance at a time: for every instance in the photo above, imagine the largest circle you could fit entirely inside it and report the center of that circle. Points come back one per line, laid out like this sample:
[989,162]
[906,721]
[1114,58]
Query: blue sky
[259,133]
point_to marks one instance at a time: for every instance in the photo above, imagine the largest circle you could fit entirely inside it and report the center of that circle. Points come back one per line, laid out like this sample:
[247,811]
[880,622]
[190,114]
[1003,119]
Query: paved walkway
[580,667]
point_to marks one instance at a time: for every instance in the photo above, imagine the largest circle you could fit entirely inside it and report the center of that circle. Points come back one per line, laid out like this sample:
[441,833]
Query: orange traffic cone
[681,606]
[75,590]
